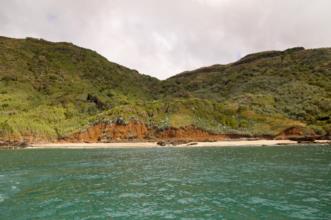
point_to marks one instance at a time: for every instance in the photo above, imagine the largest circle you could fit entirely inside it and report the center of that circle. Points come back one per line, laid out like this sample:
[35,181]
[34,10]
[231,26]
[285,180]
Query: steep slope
[50,89]
[295,83]
[58,91]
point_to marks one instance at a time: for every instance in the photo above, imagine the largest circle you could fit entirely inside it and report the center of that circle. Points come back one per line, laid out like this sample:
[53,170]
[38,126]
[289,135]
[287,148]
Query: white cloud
[164,37]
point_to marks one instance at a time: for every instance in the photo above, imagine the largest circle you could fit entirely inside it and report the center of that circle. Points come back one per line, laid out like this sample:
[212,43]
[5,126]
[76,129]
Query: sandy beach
[234,143]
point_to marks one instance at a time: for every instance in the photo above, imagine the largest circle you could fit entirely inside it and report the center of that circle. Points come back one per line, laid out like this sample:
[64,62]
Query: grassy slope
[44,88]
[295,83]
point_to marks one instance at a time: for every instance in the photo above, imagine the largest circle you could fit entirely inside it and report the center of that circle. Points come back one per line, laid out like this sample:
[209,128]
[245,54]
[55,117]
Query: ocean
[283,182]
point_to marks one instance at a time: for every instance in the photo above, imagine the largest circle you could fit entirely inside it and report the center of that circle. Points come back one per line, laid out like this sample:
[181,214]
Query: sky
[165,37]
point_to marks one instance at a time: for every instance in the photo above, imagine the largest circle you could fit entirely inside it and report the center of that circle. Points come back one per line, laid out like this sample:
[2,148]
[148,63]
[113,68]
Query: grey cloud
[164,37]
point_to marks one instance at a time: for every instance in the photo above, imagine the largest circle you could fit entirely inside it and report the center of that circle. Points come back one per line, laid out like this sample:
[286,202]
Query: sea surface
[285,182]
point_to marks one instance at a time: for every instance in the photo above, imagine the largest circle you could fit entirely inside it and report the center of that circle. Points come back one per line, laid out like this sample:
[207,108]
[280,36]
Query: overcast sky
[165,37]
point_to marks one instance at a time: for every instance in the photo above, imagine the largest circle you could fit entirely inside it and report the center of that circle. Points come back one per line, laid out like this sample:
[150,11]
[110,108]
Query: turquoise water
[164,183]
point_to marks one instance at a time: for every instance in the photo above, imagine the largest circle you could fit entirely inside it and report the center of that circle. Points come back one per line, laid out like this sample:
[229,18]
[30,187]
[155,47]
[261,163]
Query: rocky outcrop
[121,131]
[100,105]
[298,133]
[118,131]
[188,133]
[13,144]
[291,132]
[112,132]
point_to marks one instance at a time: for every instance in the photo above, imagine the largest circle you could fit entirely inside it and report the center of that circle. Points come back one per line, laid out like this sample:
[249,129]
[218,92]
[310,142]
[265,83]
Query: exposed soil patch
[189,133]
[110,133]
[139,131]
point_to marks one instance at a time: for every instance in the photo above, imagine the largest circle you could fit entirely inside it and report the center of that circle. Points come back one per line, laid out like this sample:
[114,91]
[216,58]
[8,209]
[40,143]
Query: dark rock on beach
[13,144]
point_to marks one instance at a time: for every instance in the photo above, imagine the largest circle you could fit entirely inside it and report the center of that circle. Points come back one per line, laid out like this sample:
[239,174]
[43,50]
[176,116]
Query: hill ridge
[49,91]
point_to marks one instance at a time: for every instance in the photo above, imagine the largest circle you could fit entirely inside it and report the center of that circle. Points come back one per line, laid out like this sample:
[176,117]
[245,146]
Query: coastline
[230,143]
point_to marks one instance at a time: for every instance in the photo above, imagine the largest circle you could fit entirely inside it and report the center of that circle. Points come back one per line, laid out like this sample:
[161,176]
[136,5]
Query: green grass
[44,88]
[294,83]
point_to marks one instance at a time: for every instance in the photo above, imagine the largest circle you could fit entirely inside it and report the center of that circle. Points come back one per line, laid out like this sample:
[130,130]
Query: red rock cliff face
[110,132]
[188,133]
[139,131]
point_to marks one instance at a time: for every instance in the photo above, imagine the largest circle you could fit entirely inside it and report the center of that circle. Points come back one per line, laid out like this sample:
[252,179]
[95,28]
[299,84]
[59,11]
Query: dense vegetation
[50,90]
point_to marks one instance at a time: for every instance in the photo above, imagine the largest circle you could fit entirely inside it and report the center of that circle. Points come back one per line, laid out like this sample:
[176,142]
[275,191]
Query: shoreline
[123,145]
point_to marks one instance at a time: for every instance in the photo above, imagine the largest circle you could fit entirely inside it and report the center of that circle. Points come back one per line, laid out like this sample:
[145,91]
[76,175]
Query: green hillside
[295,83]
[51,90]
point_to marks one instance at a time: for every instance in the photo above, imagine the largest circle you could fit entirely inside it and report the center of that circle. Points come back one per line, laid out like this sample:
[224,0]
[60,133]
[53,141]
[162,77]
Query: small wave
[99,193]
[2,198]
[137,184]
[132,195]
[162,189]
[311,200]
[257,200]
[186,201]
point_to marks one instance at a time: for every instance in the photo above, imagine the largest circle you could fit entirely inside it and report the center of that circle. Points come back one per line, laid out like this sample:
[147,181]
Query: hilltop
[53,92]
